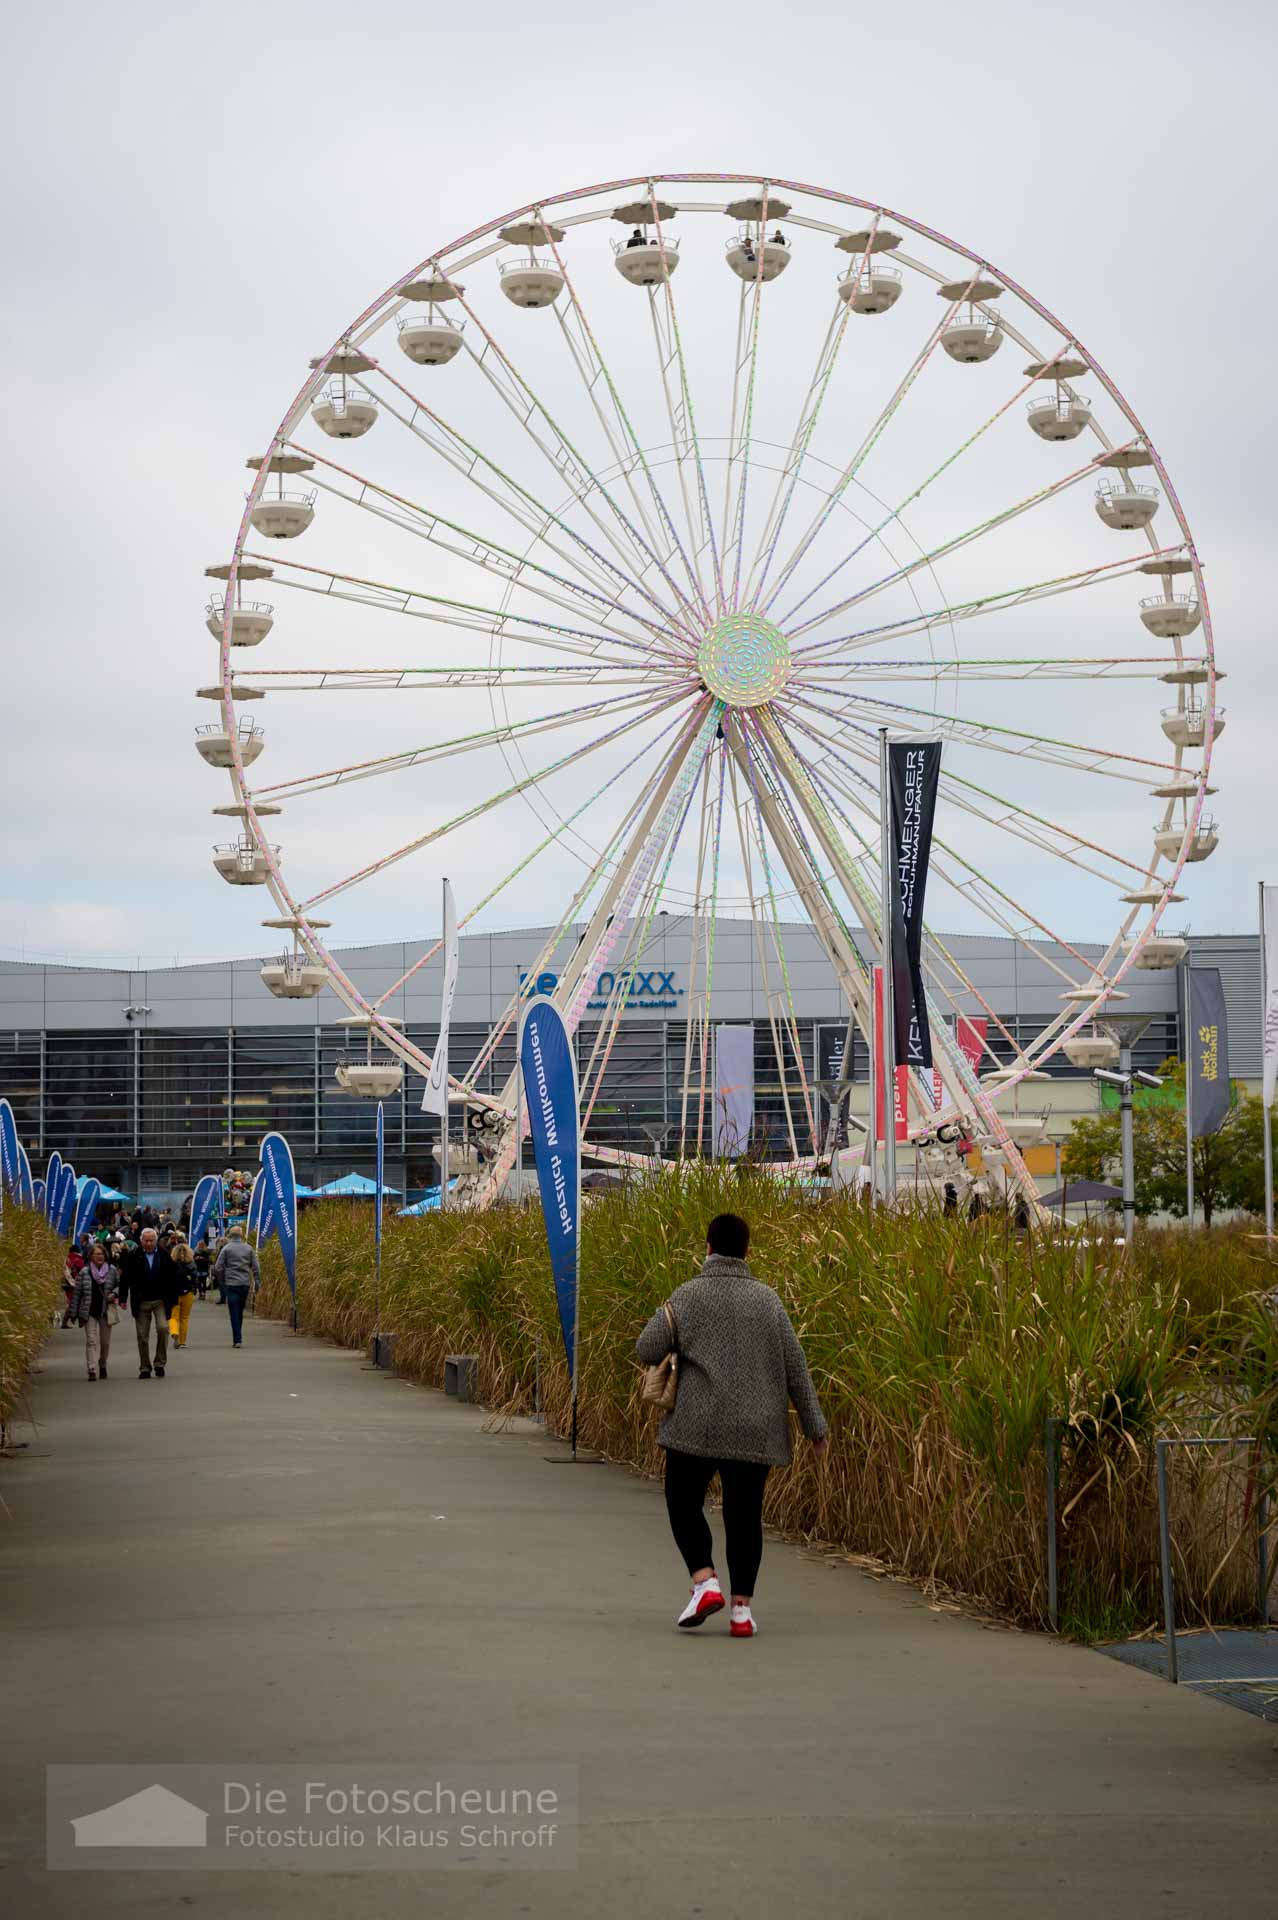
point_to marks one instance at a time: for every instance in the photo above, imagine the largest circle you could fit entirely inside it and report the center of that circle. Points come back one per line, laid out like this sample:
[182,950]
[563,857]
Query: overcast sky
[199,197]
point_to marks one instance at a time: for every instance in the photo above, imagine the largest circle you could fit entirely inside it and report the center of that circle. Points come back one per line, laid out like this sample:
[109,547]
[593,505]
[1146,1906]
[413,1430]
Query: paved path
[292,1558]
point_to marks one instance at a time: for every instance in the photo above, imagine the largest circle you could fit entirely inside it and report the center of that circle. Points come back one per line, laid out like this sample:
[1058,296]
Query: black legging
[688,1477]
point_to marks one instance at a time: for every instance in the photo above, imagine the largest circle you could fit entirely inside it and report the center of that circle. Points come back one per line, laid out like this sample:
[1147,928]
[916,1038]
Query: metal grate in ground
[1240,1668]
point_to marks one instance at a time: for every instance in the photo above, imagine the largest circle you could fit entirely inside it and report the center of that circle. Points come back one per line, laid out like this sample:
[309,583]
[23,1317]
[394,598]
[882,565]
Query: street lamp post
[1127,1029]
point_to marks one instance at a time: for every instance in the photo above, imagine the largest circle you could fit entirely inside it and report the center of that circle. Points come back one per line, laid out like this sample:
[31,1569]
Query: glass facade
[156,1109]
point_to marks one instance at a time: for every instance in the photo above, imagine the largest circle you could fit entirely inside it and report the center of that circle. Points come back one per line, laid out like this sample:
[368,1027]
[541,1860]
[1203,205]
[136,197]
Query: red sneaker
[743,1625]
[707,1598]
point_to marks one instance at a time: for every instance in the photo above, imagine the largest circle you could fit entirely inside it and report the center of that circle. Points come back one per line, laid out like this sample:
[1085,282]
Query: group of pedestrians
[157,1276]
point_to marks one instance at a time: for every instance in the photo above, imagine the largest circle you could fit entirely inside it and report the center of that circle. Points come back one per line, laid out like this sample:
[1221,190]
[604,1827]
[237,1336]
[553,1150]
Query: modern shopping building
[150,1078]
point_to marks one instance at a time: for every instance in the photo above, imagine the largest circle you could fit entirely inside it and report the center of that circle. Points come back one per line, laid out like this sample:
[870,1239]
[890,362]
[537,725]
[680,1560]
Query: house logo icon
[154,1817]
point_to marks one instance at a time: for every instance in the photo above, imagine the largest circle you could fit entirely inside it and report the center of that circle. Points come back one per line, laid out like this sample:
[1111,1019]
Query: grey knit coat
[740,1366]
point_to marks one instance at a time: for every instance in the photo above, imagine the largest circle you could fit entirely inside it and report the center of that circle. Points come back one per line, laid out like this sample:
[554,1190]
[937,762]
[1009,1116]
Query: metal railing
[1179,602]
[339,396]
[649,243]
[216,609]
[404,321]
[245,730]
[752,242]
[1165,1541]
[530,263]
[1062,406]
[867,276]
[1124,490]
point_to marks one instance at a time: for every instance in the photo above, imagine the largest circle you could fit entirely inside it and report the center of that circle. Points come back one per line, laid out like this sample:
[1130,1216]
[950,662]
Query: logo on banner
[914,769]
[1208,1066]
[549,1071]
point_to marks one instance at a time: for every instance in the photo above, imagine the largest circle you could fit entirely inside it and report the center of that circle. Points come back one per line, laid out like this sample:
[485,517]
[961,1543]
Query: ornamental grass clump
[939,1347]
[31,1262]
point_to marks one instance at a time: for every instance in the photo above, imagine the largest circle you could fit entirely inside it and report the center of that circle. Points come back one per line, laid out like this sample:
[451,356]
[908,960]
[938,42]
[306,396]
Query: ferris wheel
[610,538]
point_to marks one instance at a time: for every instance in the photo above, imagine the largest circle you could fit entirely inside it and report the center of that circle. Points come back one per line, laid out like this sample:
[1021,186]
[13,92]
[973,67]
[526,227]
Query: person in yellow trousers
[184,1269]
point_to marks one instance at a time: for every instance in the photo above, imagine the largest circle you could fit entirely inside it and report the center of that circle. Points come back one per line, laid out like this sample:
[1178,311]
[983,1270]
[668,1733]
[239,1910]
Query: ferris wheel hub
[744,660]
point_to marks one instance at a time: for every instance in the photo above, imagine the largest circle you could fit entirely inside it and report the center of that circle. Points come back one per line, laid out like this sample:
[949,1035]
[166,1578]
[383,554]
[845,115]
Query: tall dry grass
[939,1350]
[31,1262]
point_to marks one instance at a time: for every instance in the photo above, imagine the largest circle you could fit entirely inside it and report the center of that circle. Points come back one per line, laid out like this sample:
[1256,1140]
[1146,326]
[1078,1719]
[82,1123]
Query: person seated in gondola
[637,239]
[747,250]
[779,239]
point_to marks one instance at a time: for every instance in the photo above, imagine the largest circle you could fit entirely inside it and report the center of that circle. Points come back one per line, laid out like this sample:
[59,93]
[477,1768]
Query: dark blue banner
[1209,1090]
[37,1195]
[86,1208]
[279,1202]
[52,1184]
[26,1191]
[550,1090]
[10,1152]
[207,1195]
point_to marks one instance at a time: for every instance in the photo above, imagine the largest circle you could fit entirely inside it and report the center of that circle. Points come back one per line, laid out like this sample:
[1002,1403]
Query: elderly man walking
[149,1285]
[237,1273]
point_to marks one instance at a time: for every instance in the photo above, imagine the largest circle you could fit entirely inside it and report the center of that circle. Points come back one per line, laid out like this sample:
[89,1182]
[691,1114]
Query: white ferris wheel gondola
[661,570]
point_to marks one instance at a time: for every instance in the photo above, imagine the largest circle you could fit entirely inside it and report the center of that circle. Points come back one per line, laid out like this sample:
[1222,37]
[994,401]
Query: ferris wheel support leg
[659,819]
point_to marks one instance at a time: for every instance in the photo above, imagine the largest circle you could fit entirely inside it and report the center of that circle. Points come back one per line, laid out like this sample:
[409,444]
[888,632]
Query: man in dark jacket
[149,1284]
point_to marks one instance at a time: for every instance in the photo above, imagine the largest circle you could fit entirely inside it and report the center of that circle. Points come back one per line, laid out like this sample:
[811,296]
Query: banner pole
[443,1121]
[377,1238]
[1189,1100]
[1266,1109]
[887,1035]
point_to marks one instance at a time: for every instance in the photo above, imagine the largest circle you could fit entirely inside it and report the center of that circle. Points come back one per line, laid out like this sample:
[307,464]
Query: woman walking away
[184,1273]
[93,1307]
[739,1367]
[237,1272]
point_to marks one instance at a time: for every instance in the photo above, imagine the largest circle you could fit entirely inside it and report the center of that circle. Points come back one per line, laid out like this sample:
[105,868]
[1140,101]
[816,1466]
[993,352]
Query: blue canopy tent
[351,1186]
[108,1193]
[429,1202]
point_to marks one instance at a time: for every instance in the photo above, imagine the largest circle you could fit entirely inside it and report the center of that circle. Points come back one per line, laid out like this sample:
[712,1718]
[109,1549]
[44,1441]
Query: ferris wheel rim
[282,893]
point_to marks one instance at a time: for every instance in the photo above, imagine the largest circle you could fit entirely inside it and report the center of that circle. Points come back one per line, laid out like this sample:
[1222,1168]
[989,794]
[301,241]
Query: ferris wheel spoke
[605,576]
[556,447]
[990,737]
[854,673]
[757,835]
[471,813]
[1033,828]
[467,545]
[967,538]
[741,417]
[682,413]
[447,679]
[627,450]
[915,495]
[956,1074]
[818,387]
[582,894]
[579,978]
[981,604]
[636,946]
[517,730]
[862,454]
[466,615]
[837,776]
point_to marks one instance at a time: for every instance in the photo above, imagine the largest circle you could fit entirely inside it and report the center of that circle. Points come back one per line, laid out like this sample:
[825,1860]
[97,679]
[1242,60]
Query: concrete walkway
[279,1556]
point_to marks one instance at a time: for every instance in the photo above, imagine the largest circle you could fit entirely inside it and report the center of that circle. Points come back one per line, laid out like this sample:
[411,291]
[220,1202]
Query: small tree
[1228,1164]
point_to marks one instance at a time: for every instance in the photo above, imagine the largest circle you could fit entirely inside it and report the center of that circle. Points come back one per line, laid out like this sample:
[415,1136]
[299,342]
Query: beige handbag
[661,1383]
